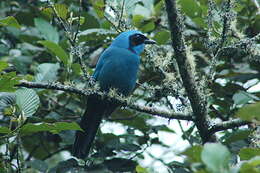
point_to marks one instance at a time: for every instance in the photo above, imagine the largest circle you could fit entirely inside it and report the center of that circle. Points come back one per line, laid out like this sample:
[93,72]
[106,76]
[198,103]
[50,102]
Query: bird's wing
[101,61]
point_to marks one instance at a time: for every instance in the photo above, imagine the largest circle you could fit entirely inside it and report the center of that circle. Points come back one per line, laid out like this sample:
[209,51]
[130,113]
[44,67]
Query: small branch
[161,113]
[117,30]
[90,91]
[121,14]
[63,24]
[78,24]
[227,125]
[225,26]
[198,103]
[242,44]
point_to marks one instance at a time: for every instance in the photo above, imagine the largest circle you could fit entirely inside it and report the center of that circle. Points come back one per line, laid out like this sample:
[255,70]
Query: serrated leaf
[50,127]
[8,82]
[215,156]
[249,112]
[47,30]
[249,153]
[47,72]
[56,50]
[62,10]
[3,65]
[6,100]
[27,100]
[10,21]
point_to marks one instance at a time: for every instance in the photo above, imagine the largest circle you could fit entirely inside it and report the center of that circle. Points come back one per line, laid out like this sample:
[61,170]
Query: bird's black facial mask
[138,39]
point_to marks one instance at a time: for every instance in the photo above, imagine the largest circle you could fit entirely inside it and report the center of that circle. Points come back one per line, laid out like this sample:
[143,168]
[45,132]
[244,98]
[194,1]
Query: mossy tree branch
[198,103]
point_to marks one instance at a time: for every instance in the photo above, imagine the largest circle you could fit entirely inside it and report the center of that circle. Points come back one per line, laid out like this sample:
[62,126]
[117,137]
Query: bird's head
[133,40]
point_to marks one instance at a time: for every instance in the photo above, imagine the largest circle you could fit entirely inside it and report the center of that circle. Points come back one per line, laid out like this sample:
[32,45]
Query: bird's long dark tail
[90,122]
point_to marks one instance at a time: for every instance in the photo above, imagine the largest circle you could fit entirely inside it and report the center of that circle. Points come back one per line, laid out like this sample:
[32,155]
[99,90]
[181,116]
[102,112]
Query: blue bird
[117,68]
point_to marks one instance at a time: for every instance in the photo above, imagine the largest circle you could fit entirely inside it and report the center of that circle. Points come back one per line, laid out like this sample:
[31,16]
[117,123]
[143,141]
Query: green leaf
[56,50]
[162,37]
[99,7]
[96,36]
[249,153]
[138,20]
[47,72]
[190,8]
[249,112]
[38,165]
[216,157]
[62,10]
[148,27]
[4,130]
[76,68]
[6,101]
[239,135]
[47,30]
[193,153]
[120,165]
[252,166]
[242,97]
[158,7]
[140,169]
[128,147]
[3,65]
[10,21]
[50,127]
[27,100]
[66,166]
[8,81]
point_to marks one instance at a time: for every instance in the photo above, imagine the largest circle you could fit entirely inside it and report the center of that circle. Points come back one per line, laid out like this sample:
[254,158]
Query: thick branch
[198,103]
[227,125]
[89,91]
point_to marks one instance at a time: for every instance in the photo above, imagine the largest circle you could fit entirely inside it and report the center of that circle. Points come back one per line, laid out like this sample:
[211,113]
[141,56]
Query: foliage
[51,41]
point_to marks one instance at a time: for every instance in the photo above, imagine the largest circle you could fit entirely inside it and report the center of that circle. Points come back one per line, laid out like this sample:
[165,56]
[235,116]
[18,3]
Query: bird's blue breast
[117,68]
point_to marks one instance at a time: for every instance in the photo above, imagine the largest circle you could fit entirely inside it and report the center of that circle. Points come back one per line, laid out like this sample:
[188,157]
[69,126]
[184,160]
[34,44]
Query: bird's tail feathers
[89,123]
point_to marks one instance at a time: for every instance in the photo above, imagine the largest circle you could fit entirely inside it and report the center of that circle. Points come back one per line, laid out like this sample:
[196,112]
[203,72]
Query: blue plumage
[117,68]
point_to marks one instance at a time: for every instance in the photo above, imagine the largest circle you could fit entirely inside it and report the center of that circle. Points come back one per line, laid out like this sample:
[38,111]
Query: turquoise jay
[117,68]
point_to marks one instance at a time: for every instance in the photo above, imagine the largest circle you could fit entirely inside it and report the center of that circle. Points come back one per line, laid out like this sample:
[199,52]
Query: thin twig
[121,14]
[63,24]
[117,30]
[78,24]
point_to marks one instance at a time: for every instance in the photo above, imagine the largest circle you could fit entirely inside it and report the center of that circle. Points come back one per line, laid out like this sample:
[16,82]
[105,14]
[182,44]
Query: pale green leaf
[47,72]
[47,30]
[27,100]
[56,50]
[216,157]
[10,21]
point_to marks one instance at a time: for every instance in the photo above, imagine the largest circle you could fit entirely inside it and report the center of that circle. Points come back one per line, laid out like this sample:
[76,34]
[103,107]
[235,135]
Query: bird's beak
[148,41]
